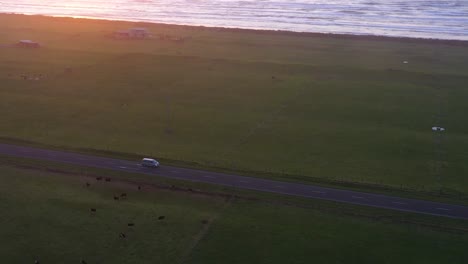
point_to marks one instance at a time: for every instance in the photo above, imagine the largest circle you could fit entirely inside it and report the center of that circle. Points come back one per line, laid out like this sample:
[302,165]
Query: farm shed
[132,33]
[28,44]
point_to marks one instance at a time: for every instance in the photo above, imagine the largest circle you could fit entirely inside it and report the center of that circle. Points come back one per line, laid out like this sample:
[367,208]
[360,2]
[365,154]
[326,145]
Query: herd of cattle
[93,211]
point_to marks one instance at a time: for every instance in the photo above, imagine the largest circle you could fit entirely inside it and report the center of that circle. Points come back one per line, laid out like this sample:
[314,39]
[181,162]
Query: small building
[122,34]
[25,43]
[132,33]
[139,32]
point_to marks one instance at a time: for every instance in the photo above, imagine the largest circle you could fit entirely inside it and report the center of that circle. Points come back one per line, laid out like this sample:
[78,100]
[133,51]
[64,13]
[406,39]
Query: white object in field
[28,43]
[438,129]
[405,62]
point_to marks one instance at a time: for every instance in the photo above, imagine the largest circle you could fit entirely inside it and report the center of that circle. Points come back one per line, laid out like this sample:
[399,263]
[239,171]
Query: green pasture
[278,234]
[47,217]
[316,107]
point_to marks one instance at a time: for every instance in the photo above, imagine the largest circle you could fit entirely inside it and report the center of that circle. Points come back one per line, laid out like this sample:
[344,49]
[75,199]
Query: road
[243,182]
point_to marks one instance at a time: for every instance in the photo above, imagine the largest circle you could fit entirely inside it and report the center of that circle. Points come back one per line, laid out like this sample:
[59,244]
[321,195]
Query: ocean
[441,19]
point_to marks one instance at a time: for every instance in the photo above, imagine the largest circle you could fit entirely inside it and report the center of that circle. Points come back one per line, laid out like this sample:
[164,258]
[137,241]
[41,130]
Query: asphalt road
[295,189]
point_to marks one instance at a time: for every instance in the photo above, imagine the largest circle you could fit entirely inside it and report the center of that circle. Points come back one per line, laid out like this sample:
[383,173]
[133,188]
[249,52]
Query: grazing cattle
[116,198]
[87,184]
[139,187]
[190,189]
[36,261]
[108,179]
[122,235]
[98,178]
[93,210]
[161,217]
[130,224]
[83,262]
[123,195]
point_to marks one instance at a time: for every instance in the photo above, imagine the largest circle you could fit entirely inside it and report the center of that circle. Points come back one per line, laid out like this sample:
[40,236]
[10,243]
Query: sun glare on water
[362,17]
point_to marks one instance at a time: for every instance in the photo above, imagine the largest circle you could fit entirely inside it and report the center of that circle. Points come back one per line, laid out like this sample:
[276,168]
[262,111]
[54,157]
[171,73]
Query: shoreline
[452,42]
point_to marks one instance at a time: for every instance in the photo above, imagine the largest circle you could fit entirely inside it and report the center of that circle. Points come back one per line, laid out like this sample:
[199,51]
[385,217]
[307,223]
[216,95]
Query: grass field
[275,234]
[47,216]
[344,109]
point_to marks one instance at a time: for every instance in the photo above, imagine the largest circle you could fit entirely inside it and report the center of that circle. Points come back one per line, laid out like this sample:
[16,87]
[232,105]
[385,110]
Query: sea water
[442,19]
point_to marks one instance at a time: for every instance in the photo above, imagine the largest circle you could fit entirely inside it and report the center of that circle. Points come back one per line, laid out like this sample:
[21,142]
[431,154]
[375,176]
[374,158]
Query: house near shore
[132,33]
[173,38]
[26,43]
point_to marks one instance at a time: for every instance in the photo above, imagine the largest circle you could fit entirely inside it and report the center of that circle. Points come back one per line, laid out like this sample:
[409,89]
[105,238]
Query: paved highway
[295,189]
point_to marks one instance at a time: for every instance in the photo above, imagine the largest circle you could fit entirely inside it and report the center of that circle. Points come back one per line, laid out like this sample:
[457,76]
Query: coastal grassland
[278,234]
[46,217]
[344,109]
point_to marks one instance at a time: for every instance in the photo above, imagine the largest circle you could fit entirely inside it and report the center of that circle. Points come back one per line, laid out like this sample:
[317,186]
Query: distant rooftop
[27,41]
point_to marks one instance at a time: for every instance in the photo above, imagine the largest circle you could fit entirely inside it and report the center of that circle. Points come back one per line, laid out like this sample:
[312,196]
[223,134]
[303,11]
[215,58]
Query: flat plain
[302,107]
[47,216]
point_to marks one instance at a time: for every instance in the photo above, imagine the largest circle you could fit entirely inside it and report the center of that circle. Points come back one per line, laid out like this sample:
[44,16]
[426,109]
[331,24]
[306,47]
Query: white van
[147,162]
